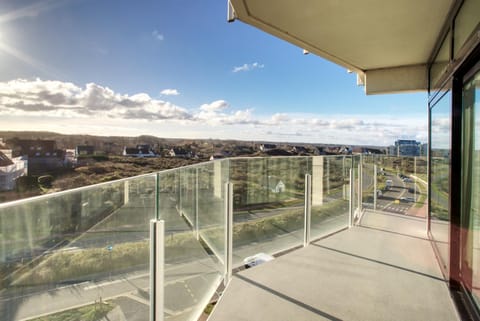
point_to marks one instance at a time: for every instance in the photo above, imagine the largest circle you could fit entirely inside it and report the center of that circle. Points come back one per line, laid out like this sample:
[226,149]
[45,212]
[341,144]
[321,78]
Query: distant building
[267,147]
[217,156]
[11,169]
[180,153]
[299,150]
[138,151]
[319,150]
[33,148]
[43,155]
[405,147]
[70,160]
[367,150]
[84,150]
[274,184]
[424,149]
[345,150]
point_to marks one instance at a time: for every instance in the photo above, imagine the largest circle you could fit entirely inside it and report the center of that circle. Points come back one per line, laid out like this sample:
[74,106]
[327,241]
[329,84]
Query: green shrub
[45,181]
[26,184]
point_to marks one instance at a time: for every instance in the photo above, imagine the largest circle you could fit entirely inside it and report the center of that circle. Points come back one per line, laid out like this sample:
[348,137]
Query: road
[395,199]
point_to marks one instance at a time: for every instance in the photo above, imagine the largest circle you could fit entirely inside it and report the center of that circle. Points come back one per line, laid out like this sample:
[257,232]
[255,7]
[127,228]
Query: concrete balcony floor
[383,269]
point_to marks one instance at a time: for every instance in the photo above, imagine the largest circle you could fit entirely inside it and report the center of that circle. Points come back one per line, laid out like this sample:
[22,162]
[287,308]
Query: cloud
[53,98]
[248,67]
[26,102]
[157,35]
[169,92]
[214,106]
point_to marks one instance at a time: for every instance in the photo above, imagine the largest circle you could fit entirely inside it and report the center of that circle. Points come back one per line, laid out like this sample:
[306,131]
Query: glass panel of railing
[356,203]
[212,178]
[268,204]
[192,271]
[330,194]
[401,184]
[188,193]
[78,252]
[369,188]
[418,187]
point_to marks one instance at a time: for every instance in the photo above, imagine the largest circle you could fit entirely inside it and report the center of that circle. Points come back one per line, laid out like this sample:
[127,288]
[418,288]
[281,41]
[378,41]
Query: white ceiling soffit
[386,42]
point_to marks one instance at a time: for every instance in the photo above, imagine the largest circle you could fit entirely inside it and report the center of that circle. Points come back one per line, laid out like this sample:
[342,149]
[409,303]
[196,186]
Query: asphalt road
[391,199]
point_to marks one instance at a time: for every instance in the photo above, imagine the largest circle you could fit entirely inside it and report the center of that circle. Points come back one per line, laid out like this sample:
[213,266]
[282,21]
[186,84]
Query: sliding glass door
[470,213]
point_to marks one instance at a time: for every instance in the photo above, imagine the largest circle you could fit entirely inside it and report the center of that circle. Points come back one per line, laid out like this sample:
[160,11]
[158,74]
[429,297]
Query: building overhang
[387,43]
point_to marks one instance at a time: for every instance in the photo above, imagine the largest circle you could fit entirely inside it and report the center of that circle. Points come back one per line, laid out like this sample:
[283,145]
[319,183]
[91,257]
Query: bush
[45,181]
[26,184]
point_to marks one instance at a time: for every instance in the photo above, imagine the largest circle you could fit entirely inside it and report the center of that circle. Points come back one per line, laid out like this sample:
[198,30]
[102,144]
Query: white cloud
[157,35]
[214,106]
[54,98]
[248,67]
[277,119]
[100,107]
[169,92]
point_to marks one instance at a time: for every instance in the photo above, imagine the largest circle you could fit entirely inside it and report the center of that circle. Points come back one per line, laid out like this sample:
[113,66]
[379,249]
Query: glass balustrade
[86,247]
[89,248]
[394,184]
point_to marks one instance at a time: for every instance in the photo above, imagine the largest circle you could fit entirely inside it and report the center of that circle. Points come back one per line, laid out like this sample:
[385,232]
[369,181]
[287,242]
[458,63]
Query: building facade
[405,147]
[11,169]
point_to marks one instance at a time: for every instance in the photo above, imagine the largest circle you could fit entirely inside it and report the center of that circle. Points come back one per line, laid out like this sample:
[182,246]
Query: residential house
[267,147]
[138,151]
[43,155]
[300,150]
[180,152]
[217,156]
[84,150]
[319,150]
[274,184]
[11,169]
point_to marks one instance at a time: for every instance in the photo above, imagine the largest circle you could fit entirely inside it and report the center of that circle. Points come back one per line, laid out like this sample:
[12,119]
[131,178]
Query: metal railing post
[126,192]
[228,232]
[308,209]
[157,196]
[197,228]
[351,185]
[157,269]
[374,187]
[359,194]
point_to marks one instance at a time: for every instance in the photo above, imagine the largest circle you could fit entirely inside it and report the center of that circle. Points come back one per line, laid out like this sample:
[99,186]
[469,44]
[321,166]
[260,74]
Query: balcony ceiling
[363,36]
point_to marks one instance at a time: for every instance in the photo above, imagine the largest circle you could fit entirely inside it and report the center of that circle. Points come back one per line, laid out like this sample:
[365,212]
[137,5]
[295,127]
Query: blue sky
[176,68]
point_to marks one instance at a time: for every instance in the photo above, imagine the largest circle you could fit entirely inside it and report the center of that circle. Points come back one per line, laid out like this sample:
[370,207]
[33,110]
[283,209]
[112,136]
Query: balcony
[348,234]
[382,269]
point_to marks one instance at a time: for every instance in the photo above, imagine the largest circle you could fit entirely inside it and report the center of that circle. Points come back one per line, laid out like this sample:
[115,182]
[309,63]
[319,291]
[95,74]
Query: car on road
[407,199]
[388,184]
